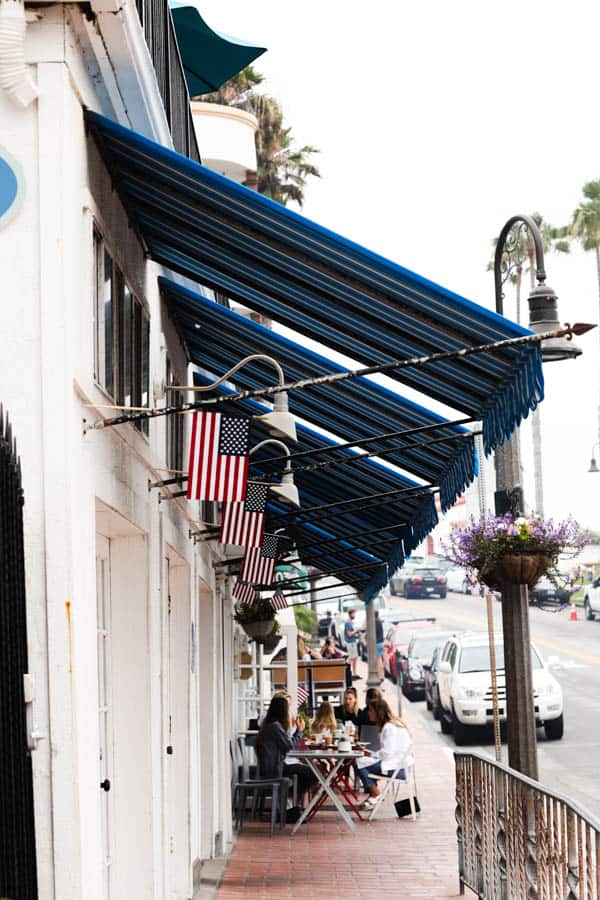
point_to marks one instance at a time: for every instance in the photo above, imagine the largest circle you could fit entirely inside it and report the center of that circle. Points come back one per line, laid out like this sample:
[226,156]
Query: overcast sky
[436,122]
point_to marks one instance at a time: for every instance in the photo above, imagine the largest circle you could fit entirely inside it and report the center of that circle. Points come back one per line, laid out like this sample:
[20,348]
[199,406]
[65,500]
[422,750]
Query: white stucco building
[129,629]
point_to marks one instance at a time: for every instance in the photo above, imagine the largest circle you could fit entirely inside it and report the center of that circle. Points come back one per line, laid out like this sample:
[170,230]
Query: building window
[122,335]
[174,454]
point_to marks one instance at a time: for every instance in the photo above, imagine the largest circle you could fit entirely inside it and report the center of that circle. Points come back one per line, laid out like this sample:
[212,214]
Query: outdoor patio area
[410,859]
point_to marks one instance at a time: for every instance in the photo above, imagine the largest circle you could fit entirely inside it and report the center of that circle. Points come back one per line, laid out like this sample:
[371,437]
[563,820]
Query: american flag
[301,695]
[278,600]
[218,467]
[259,562]
[245,593]
[243,523]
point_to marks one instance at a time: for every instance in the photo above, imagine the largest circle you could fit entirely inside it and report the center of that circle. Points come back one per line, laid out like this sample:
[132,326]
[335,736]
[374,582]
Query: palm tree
[585,227]
[282,168]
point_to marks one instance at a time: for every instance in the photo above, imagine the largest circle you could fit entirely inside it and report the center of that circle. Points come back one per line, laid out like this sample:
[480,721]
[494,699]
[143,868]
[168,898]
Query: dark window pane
[127,346]
[145,369]
[107,302]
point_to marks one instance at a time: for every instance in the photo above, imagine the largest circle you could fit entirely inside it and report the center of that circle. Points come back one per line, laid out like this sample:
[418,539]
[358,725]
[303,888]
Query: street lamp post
[509,497]
[593,461]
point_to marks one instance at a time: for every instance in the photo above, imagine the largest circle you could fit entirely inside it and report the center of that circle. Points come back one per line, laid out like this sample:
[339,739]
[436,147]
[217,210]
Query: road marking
[481,624]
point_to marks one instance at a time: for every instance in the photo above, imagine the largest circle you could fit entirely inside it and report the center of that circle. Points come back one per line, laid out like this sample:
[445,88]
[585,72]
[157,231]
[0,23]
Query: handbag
[292,815]
[402,807]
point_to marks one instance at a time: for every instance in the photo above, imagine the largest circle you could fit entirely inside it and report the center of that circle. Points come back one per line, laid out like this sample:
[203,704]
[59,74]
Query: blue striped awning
[326,486]
[217,338]
[231,239]
[275,261]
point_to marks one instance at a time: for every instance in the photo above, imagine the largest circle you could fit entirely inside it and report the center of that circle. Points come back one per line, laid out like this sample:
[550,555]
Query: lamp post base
[520,726]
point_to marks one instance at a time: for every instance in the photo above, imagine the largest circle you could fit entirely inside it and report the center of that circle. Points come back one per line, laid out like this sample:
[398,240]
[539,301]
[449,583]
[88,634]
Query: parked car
[430,682]
[591,599]
[465,688]
[546,591]
[424,582]
[397,640]
[458,580]
[388,618]
[418,655]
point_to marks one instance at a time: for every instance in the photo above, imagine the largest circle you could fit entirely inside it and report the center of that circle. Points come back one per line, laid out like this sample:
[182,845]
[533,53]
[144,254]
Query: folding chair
[245,787]
[392,785]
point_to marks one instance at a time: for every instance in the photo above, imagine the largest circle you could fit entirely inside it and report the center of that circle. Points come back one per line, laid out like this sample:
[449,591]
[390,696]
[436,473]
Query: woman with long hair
[273,743]
[348,711]
[325,719]
[363,714]
[395,744]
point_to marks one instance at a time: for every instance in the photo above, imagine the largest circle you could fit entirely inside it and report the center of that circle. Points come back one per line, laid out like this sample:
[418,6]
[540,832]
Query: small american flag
[278,600]
[259,562]
[218,466]
[301,695]
[243,524]
[245,593]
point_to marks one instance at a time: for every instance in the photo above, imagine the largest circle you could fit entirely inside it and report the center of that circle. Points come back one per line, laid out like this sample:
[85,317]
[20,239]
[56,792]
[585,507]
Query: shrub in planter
[257,619]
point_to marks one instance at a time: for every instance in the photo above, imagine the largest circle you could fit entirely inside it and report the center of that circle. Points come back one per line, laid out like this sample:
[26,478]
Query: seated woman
[325,719]
[348,711]
[363,714]
[273,743]
[395,742]
[330,651]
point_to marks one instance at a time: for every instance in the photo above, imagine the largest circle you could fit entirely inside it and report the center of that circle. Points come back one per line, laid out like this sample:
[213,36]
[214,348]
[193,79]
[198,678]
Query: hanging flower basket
[501,550]
[259,629]
[270,642]
[517,568]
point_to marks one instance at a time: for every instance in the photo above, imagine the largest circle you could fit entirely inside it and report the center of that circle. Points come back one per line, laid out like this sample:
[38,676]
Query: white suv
[465,688]
[591,600]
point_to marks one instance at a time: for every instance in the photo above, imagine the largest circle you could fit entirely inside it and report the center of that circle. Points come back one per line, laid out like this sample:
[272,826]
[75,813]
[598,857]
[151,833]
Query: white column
[373,679]
[290,632]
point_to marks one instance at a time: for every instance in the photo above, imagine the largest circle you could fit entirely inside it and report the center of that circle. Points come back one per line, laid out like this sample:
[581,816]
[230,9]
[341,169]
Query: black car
[416,661]
[432,697]
[546,592]
[424,582]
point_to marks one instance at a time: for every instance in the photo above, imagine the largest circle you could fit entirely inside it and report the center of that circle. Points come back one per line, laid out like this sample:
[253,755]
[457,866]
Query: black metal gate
[18,875]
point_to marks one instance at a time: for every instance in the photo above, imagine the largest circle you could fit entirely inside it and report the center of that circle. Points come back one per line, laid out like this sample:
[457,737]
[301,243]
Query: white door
[105,771]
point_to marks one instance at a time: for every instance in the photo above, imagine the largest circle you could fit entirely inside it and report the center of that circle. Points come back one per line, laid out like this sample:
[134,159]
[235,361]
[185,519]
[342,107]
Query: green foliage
[258,611]
[302,714]
[282,167]
[306,619]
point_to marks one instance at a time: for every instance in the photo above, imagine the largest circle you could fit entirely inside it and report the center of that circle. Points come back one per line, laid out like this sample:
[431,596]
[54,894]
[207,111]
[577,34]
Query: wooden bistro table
[331,769]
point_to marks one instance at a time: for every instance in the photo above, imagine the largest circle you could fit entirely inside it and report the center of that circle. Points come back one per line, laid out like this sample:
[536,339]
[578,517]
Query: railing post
[501,831]
[572,857]
[458,815]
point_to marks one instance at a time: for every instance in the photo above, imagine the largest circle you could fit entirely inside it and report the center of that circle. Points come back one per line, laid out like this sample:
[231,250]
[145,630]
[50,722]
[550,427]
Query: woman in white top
[395,743]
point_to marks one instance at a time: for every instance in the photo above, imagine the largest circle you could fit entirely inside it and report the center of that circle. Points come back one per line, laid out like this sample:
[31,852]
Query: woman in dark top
[348,711]
[363,714]
[273,744]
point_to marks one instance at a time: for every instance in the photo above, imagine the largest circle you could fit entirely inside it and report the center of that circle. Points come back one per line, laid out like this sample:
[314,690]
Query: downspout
[15,78]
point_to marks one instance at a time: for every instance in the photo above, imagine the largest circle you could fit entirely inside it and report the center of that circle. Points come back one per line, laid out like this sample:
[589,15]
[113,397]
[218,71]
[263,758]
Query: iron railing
[517,840]
[17,832]
[159,32]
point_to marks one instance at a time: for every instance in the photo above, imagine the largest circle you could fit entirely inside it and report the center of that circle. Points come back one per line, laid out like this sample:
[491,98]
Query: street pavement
[570,766]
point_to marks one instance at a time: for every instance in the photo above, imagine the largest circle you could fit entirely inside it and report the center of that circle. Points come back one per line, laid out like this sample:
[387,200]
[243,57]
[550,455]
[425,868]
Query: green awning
[209,58]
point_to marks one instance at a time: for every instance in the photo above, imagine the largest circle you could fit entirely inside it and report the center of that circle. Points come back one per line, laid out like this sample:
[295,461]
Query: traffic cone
[573,613]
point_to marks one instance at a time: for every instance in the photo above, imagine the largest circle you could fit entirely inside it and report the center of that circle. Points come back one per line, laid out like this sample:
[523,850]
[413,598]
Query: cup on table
[328,740]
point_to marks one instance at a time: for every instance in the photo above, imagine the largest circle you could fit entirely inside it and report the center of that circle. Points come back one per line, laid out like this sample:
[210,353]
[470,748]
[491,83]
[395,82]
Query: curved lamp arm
[288,462]
[209,387]
[540,271]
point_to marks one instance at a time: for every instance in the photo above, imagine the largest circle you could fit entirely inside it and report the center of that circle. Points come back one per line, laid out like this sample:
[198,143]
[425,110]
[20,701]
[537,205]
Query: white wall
[75,483]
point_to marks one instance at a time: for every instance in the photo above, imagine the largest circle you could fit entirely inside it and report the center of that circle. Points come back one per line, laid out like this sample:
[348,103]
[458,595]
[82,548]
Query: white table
[335,760]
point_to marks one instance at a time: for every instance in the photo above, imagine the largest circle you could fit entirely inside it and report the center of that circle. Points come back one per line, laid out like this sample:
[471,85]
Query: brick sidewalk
[324,860]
